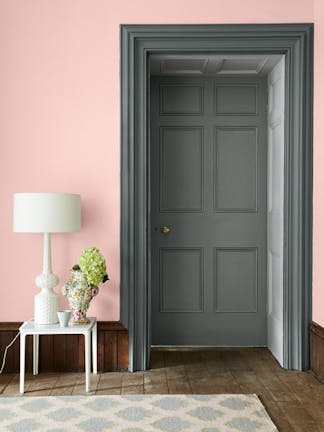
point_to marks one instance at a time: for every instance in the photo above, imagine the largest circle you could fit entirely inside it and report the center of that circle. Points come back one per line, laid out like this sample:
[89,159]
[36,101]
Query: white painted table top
[29,327]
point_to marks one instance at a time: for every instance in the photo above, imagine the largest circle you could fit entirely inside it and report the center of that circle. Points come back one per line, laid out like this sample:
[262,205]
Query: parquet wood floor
[294,400]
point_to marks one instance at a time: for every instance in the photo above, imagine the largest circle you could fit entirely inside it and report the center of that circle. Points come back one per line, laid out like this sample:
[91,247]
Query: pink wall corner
[59,125]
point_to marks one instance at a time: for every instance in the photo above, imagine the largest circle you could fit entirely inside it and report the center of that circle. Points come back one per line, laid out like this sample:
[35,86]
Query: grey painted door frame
[295,41]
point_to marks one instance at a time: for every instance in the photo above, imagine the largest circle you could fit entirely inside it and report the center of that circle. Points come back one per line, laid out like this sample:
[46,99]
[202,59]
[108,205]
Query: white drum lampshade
[46,213]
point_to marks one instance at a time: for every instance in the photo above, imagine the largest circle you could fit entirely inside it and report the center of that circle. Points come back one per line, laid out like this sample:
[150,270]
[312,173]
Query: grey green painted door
[208,185]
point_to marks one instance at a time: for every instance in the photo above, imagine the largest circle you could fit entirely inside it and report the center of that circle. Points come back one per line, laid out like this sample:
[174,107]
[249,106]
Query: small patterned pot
[79,295]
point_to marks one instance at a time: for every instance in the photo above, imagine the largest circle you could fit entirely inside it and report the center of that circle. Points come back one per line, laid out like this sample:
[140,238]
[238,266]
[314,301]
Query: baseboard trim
[10,326]
[66,352]
[203,347]
[317,351]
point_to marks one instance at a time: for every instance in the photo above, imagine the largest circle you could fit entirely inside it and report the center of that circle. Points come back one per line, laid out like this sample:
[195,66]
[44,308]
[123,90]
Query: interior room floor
[294,400]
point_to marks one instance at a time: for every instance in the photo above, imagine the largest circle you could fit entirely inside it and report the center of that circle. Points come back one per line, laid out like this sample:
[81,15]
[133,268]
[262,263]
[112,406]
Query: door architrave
[295,41]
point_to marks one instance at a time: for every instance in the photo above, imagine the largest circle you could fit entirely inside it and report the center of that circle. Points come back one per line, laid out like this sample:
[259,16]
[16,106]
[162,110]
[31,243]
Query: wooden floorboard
[294,400]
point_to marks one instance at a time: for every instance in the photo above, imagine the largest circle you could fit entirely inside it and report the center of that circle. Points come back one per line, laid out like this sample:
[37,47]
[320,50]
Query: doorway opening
[295,43]
[217,200]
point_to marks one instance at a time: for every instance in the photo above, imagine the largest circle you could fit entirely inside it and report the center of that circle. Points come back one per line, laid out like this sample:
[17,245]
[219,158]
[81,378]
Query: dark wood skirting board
[317,350]
[61,353]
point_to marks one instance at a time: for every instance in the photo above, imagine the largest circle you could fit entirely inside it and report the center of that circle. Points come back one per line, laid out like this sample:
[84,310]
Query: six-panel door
[208,187]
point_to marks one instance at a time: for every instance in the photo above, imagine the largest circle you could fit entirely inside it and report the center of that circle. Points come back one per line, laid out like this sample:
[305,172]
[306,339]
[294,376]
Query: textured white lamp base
[47,301]
[46,307]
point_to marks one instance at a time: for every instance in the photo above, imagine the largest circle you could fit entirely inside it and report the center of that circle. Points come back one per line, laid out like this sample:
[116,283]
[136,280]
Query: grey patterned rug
[135,413]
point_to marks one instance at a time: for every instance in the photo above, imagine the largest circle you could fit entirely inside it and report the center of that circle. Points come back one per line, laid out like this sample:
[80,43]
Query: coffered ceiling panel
[211,65]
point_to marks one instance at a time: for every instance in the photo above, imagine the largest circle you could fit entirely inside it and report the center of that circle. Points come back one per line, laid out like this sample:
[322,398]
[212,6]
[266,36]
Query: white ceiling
[211,65]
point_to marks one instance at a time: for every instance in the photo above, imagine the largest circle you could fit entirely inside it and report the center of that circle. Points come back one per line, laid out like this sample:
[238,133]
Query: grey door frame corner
[295,41]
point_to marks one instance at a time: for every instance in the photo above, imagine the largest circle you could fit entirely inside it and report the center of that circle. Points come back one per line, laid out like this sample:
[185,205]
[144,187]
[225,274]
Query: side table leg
[35,353]
[22,362]
[94,348]
[87,359]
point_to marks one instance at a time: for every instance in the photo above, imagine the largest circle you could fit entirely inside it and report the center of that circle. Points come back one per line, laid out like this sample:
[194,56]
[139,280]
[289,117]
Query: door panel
[236,280]
[181,280]
[236,99]
[179,99]
[181,150]
[208,186]
[235,152]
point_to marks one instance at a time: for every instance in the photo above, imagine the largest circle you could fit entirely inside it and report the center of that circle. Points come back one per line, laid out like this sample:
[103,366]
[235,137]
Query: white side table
[30,328]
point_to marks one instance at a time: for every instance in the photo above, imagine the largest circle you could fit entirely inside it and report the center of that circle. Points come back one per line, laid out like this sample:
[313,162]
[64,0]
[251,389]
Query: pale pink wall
[59,124]
[318,228]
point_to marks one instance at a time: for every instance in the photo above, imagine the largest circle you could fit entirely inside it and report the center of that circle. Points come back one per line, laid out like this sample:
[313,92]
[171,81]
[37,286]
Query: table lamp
[46,213]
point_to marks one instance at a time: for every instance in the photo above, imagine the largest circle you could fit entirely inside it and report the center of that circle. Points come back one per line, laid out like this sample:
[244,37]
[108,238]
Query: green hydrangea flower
[93,265]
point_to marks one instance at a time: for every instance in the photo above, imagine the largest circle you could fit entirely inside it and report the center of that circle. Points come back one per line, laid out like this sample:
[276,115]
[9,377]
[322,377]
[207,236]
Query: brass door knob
[165,230]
